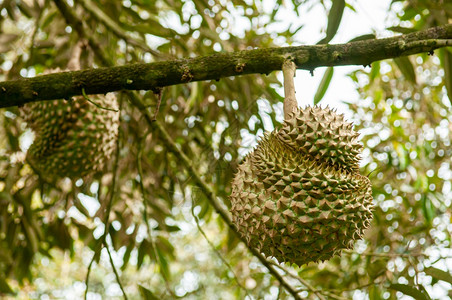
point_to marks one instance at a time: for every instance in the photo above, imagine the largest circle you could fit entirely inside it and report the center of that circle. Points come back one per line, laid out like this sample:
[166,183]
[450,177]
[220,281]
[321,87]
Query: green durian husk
[299,196]
[72,138]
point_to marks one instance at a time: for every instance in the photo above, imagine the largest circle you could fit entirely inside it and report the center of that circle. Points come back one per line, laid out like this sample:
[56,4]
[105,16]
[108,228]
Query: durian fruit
[299,196]
[72,138]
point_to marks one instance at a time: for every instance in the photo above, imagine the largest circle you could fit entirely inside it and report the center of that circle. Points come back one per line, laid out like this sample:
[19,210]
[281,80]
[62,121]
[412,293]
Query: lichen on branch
[149,76]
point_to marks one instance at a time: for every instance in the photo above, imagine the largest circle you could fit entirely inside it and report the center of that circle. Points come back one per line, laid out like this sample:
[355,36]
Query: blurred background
[164,238]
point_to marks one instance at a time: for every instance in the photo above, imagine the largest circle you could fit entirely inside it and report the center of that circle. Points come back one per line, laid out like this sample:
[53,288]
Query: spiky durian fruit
[72,138]
[299,196]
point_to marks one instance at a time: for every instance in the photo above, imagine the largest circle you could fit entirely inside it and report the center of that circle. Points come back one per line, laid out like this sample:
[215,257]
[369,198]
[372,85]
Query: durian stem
[290,101]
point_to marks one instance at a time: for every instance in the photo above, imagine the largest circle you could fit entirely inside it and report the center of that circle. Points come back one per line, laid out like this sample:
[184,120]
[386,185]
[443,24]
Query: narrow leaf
[375,72]
[334,19]
[147,294]
[324,84]
[377,267]
[4,287]
[164,267]
[427,209]
[439,274]
[410,291]
[406,67]
[363,37]
[404,30]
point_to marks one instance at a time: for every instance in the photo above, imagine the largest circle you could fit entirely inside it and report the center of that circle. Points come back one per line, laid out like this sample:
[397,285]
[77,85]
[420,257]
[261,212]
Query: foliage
[49,231]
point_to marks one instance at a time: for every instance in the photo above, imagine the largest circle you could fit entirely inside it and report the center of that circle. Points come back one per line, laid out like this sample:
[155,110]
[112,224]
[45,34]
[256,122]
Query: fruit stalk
[290,101]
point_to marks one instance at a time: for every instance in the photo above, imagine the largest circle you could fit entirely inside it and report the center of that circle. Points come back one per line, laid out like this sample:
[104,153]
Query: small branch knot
[337,56]
[187,76]
[239,67]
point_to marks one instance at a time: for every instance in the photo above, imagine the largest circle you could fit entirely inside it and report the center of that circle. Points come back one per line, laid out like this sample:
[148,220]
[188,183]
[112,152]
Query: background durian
[73,138]
[299,196]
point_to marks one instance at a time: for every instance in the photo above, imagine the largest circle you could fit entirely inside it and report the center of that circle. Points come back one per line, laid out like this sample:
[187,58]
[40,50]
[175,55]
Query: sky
[370,17]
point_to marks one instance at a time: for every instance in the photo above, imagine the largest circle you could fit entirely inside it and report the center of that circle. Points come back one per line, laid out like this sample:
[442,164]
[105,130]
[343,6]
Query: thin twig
[118,280]
[384,254]
[101,241]
[215,250]
[88,272]
[145,212]
[301,280]
[331,295]
[35,30]
[94,103]
[329,292]
[159,101]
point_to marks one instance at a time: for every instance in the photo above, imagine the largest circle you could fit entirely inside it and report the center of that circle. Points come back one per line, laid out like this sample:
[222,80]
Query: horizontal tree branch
[150,76]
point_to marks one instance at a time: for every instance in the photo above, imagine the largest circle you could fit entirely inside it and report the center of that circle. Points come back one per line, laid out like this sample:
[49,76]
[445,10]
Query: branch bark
[151,76]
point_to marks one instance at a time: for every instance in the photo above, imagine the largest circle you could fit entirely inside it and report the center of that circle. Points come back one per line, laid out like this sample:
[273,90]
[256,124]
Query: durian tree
[129,166]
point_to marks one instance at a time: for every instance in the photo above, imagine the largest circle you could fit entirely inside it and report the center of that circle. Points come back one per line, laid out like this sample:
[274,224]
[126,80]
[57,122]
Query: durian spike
[290,101]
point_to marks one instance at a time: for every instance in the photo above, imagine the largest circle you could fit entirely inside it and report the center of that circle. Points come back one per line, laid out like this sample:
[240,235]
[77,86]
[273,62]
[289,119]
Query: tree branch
[213,67]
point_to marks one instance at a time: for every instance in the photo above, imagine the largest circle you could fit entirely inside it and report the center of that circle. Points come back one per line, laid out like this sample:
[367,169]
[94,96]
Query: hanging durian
[72,138]
[299,196]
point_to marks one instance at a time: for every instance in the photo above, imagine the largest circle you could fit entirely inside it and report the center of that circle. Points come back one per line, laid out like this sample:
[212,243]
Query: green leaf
[232,240]
[410,291]
[334,19]
[377,267]
[163,263]
[427,209]
[163,244]
[172,228]
[406,67]
[143,249]
[126,256]
[146,293]
[375,293]
[30,235]
[49,19]
[402,156]
[363,37]
[375,71]
[400,29]
[439,274]
[446,63]
[324,84]
[4,287]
